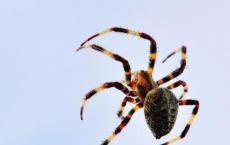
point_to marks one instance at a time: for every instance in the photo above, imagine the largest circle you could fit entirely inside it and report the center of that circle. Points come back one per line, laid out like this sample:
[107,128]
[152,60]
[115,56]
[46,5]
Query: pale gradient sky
[43,80]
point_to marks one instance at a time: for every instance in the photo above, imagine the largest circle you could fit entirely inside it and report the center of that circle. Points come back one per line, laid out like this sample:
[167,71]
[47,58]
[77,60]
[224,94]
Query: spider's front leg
[179,70]
[114,56]
[123,123]
[153,47]
[123,104]
[117,85]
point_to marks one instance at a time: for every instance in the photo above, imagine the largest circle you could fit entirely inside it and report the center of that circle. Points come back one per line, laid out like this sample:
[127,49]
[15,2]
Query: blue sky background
[43,80]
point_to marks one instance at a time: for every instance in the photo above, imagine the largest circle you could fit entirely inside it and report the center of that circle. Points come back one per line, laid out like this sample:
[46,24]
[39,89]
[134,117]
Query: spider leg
[177,84]
[125,63]
[194,112]
[179,70]
[117,85]
[153,47]
[123,123]
[123,104]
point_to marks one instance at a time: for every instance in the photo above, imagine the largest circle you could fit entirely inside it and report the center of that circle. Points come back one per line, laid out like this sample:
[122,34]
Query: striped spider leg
[153,47]
[179,70]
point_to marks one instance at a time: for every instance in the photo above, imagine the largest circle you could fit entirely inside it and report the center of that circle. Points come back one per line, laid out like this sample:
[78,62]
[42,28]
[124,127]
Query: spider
[159,103]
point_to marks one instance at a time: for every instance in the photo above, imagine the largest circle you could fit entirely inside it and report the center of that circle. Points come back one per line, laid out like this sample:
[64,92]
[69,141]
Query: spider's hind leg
[179,70]
[114,56]
[194,112]
[123,123]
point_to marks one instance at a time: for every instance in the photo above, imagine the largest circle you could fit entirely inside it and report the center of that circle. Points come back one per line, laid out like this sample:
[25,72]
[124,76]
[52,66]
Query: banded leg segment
[179,70]
[123,123]
[194,112]
[125,63]
[117,85]
[153,47]
[124,102]
[177,84]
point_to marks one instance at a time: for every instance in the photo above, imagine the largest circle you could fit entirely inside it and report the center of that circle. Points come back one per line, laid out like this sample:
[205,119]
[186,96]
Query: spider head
[143,83]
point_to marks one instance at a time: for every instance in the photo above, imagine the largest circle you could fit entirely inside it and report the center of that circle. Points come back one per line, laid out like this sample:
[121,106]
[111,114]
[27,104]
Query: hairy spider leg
[117,85]
[177,84]
[179,70]
[153,47]
[114,56]
[123,104]
[192,117]
[123,123]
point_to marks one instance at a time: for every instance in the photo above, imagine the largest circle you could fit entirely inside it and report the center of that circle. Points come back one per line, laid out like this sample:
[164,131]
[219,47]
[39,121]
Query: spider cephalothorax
[160,104]
[143,83]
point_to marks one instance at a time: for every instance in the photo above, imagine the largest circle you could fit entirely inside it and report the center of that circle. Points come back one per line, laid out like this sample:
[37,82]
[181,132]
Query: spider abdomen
[160,108]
